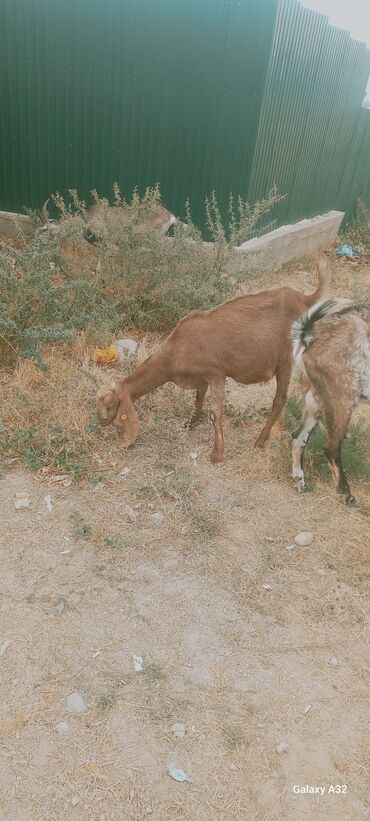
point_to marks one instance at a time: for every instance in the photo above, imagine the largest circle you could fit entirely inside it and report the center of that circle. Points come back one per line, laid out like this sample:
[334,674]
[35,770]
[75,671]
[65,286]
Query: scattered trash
[138,664]
[349,250]
[289,546]
[282,747]
[76,704]
[125,348]
[157,517]
[62,727]
[119,350]
[102,356]
[307,709]
[47,500]
[334,661]
[179,730]
[178,775]
[59,608]
[4,646]
[194,456]
[21,500]
[340,766]
[130,513]
[303,538]
[266,587]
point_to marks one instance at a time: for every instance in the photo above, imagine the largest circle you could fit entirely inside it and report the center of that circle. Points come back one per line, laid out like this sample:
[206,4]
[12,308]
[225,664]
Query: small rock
[157,517]
[59,608]
[125,348]
[178,730]
[138,664]
[334,661]
[75,800]
[130,513]
[76,704]
[307,709]
[62,727]
[47,500]
[304,538]
[266,587]
[194,456]
[282,747]
[21,500]
[232,766]
[4,646]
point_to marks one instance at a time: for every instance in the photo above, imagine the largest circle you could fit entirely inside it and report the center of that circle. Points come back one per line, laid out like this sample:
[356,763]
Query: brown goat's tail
[324,276]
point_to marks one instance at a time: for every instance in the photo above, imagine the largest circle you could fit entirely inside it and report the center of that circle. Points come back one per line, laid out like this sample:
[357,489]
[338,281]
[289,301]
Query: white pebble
[282,747]
[304,538]
[334,661]
[62,727]
[157,517]
[266,587]
[47,500]
[178,730]
[76,704]
[194,456]
[21,500]
[4,646]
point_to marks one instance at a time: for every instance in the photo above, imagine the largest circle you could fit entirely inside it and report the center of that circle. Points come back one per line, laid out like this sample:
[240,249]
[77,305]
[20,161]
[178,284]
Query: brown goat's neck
[144,379]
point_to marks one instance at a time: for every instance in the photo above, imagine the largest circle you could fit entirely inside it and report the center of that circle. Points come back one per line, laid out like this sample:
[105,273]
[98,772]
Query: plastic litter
[138,664]
[177,774]
[103,356]
[282,747]
[47,500]
[4,646]
[348,250]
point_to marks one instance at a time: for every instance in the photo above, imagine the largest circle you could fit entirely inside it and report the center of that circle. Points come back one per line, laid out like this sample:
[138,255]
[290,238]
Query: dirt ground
[96,580]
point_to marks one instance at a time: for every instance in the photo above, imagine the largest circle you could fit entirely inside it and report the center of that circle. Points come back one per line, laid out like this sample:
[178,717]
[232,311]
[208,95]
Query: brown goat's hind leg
[334,457]
[217,407]
[199,400]
[300,439]
[282,379]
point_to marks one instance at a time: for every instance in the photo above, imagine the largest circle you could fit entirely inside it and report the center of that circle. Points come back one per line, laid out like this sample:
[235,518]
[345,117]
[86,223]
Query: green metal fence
[230,95]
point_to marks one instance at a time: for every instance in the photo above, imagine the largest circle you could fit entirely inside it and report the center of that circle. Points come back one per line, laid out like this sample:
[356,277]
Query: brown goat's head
[115,405]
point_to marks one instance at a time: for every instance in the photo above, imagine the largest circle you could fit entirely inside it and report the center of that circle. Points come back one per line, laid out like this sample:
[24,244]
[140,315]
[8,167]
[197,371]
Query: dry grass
[235,663]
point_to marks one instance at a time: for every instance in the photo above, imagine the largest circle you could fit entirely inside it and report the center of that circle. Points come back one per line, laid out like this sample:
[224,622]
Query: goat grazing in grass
[246,338]
[331,345]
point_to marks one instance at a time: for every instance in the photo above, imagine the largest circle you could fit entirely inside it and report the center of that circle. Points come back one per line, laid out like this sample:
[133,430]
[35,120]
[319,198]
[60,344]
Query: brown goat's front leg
[282,380]
[217,407]
[199,401]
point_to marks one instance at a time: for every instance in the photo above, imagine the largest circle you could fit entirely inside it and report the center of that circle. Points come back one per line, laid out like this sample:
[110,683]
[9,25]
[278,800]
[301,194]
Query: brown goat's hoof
[351,501]
[216,459]
[260,442]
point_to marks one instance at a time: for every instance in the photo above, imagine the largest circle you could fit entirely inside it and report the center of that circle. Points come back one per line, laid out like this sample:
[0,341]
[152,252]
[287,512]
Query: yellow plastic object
[103,355]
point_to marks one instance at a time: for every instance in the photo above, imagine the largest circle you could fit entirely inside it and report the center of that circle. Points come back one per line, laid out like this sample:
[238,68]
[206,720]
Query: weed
[81,528]
[106,700]
[112,541]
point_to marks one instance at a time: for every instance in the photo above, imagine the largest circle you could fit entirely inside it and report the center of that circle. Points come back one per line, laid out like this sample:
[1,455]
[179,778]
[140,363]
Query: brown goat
[246,338]
[331,345]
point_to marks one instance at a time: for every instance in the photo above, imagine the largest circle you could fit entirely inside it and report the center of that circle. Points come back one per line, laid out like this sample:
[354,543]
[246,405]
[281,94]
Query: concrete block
[7,226]
[291,242]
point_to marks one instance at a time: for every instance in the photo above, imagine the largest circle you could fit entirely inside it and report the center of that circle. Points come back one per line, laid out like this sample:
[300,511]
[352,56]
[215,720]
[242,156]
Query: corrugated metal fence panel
[311,119]
[135,90]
